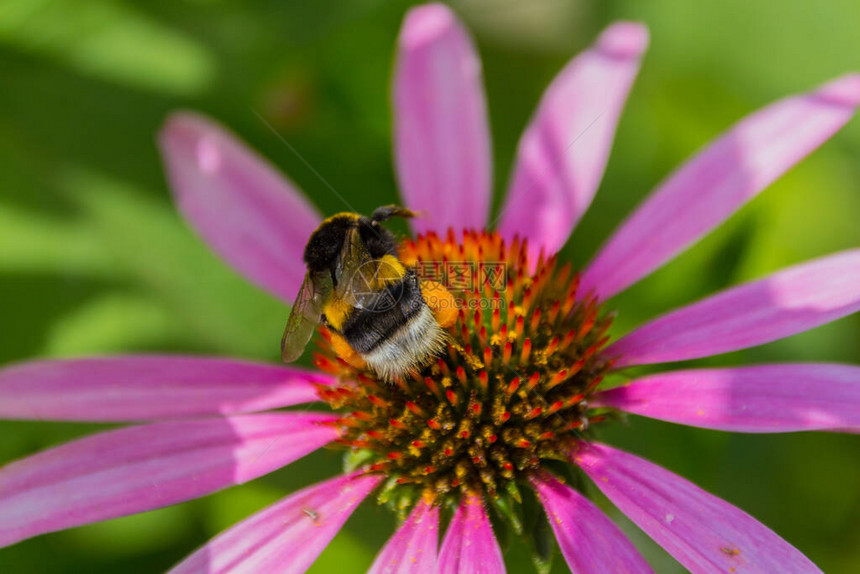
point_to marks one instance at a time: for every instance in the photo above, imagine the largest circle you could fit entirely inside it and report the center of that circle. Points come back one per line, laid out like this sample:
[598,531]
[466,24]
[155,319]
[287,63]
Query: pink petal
[129,388]
[441,138]
[287,536]
[767,398]
[590,542]
[248,212]
[470,545]
[702,532]
[791,301]
[719,180]
[563,152]
[136,469]
[412,549]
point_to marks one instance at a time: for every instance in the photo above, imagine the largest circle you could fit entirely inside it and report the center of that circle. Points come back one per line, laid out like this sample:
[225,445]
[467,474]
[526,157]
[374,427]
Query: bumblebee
[380,314]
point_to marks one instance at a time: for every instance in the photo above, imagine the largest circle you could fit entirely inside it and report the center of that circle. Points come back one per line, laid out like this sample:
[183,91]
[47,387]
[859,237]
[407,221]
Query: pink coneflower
[512,401]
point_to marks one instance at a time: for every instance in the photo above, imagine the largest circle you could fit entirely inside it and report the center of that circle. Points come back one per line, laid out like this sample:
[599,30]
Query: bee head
[326,243]
[378,239]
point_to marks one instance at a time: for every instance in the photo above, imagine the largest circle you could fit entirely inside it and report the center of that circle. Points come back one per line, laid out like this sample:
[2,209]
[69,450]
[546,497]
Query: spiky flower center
[510,393]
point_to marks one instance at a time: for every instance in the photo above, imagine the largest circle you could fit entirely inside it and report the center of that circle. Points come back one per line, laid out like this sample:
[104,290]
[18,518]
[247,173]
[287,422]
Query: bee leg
[346,352]
[389,211]
[441,303]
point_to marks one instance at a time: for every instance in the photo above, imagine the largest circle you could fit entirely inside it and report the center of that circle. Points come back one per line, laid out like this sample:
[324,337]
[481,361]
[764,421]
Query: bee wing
[356,273]
[304,316]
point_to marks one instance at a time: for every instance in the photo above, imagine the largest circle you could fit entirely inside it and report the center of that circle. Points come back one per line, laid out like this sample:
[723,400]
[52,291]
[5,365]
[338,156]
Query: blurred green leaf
[112,323]
[145,237]
[109,39]
[133,535]
[34,242]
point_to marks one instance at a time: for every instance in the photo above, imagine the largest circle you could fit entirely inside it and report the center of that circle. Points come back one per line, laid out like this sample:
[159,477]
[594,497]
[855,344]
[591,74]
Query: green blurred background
[93,259]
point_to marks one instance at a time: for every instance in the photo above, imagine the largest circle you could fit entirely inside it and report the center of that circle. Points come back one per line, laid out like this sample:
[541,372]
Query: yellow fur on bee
[441,302]
[336,311]
[388,270]
[345,352]
[349,214]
